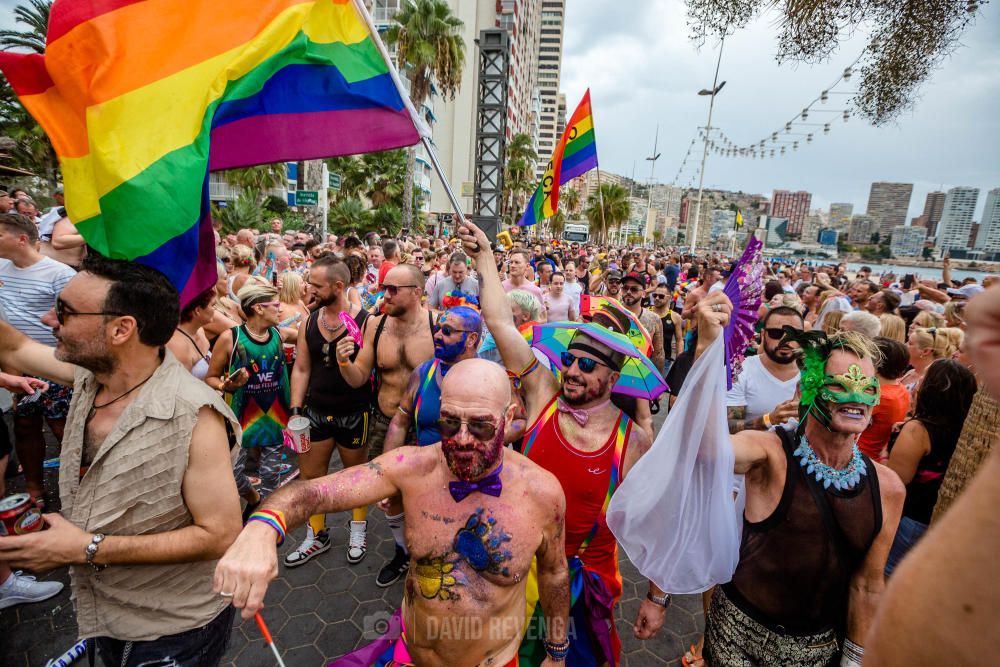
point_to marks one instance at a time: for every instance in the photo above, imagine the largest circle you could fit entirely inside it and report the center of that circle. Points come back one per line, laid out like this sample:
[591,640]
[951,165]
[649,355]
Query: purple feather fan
[745,288]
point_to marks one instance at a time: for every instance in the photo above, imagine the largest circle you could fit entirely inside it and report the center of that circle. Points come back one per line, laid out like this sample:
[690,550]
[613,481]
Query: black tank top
[669,332]
[796,565]
[329,393]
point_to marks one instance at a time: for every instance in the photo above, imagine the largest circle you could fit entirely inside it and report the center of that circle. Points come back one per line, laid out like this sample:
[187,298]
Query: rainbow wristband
[275,519]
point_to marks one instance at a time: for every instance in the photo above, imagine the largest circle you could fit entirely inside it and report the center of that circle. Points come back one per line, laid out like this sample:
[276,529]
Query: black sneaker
[394,569]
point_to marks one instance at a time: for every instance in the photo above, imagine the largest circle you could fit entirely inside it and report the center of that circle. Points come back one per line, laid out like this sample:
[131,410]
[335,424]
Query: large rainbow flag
[575,154]
[141,98]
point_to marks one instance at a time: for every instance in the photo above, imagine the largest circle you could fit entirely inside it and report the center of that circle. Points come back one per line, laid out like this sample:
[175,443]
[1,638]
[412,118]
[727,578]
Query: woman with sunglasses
[248,366]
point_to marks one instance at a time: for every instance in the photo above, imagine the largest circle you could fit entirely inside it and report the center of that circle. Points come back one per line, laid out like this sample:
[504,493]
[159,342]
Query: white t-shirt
[27,294]
[757,389]
[574,290]
[48,223]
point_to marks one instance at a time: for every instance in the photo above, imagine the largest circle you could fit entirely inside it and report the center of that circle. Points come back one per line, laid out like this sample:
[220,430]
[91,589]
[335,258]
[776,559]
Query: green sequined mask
[858,388]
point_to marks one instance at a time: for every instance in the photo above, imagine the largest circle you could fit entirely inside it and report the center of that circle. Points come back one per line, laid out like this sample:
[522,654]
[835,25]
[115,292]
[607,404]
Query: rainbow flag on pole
[575,154]
[141,99]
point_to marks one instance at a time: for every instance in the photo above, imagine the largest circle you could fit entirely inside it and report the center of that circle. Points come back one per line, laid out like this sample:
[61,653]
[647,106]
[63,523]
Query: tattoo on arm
[738,422]
[375,466]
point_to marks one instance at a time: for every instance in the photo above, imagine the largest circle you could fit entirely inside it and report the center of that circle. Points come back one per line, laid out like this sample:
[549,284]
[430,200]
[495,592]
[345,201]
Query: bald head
[477,381]
[405,274]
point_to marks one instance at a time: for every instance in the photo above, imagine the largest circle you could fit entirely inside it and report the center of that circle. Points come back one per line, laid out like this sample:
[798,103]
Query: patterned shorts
[733,639]
[52,404]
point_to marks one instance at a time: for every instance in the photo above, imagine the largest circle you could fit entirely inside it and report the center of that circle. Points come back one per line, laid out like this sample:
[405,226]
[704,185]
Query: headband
[606,359]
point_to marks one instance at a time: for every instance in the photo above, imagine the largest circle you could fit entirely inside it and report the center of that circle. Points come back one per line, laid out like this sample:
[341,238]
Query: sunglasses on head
[479,429]
[585,364]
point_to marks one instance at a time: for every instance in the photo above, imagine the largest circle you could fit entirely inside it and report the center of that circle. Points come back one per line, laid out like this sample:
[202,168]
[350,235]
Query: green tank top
[262,404]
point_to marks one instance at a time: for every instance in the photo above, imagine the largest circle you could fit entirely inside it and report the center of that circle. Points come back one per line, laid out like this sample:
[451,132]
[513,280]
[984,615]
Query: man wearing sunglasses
[148,495]
[764,393]
[576,433]
[633,290]
[477,513]
[394,345]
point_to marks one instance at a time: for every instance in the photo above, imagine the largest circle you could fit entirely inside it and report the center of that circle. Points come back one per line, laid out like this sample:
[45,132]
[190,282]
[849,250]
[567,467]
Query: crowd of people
[410,356]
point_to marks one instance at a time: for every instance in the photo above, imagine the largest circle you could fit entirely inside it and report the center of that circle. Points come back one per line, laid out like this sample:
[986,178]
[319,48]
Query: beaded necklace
[841,479]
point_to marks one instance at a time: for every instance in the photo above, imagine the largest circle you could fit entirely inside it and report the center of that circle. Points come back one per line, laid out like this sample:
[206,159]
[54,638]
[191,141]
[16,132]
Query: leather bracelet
[295,412]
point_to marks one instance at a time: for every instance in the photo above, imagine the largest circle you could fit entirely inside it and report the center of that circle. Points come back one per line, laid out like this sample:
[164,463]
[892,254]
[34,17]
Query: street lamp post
[716,87]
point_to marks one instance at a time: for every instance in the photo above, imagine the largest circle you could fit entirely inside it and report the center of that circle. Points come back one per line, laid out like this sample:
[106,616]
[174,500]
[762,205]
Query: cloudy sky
[643,70]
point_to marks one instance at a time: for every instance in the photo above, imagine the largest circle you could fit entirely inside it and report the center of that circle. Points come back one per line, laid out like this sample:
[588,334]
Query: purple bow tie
[490,485]
[581,416]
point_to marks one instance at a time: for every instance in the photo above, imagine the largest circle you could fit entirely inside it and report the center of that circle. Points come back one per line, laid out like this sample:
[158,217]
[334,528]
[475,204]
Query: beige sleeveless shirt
[133,487]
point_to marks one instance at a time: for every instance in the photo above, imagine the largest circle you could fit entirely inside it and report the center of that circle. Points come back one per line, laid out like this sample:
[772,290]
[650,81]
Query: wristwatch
[662,600]
[91,550]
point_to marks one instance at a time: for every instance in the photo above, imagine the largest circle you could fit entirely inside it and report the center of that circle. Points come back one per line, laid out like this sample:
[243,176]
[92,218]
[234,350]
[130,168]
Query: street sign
[306,197]
[334,181]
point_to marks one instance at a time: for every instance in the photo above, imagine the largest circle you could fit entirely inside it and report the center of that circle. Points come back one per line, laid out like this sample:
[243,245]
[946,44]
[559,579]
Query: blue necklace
[842,479]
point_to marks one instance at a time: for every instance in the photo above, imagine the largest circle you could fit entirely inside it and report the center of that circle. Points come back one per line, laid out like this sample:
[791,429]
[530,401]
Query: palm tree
[349,217]
[385,177]
[35,15]
[570,197]
[33,150]
[257,180]
[617,210]
[557,224]
[352,176]
[519,178]
[430,48]
[245,212]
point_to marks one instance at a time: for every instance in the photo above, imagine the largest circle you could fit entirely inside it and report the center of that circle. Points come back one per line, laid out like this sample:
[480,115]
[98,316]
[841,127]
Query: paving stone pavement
[322,610]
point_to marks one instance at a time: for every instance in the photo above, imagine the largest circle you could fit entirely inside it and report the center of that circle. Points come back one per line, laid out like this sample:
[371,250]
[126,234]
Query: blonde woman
[927,345]
[925,319]
[831,323]
[954,314]
[892,326]
[291,288]
[227,311]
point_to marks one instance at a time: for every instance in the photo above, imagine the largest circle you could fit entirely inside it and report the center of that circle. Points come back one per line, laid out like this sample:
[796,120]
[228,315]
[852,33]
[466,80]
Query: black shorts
[348,431]
[5,444]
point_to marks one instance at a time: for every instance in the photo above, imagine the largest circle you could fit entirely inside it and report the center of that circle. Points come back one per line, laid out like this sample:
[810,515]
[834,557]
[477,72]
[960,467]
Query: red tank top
[588,479]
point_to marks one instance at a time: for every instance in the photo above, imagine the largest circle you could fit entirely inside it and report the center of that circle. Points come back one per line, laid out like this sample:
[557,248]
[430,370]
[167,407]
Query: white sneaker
[22,588]
[357,545]
[312,546]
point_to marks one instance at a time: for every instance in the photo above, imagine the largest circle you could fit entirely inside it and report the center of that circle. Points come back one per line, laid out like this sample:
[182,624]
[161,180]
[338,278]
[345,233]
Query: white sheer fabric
[675,514]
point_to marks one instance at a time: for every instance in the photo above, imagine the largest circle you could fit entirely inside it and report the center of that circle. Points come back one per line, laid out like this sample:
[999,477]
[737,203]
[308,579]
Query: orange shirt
[892,408]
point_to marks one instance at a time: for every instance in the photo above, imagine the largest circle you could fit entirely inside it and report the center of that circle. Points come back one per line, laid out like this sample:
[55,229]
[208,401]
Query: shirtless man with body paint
[394,344]
[472,549]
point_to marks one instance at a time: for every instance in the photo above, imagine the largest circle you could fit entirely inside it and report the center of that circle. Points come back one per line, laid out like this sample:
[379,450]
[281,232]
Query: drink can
[297,434]
[18,515]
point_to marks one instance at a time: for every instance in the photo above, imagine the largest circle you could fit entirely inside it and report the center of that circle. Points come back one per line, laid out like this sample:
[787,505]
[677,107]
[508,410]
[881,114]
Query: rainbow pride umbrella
[591,305]
[638,377]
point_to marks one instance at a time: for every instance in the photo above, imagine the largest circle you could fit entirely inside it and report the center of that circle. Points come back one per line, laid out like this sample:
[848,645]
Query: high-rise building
[840,216]
[863,227]
[549,66]
[723,220]
[888,203]
[956,219]
[794,206]
[907,241]
[933,207]
[988,239]
[561,115]
[455,130]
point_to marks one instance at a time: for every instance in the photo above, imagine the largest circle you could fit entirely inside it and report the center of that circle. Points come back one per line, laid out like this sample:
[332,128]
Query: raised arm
[252,561]
[517,355]
[20,352]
